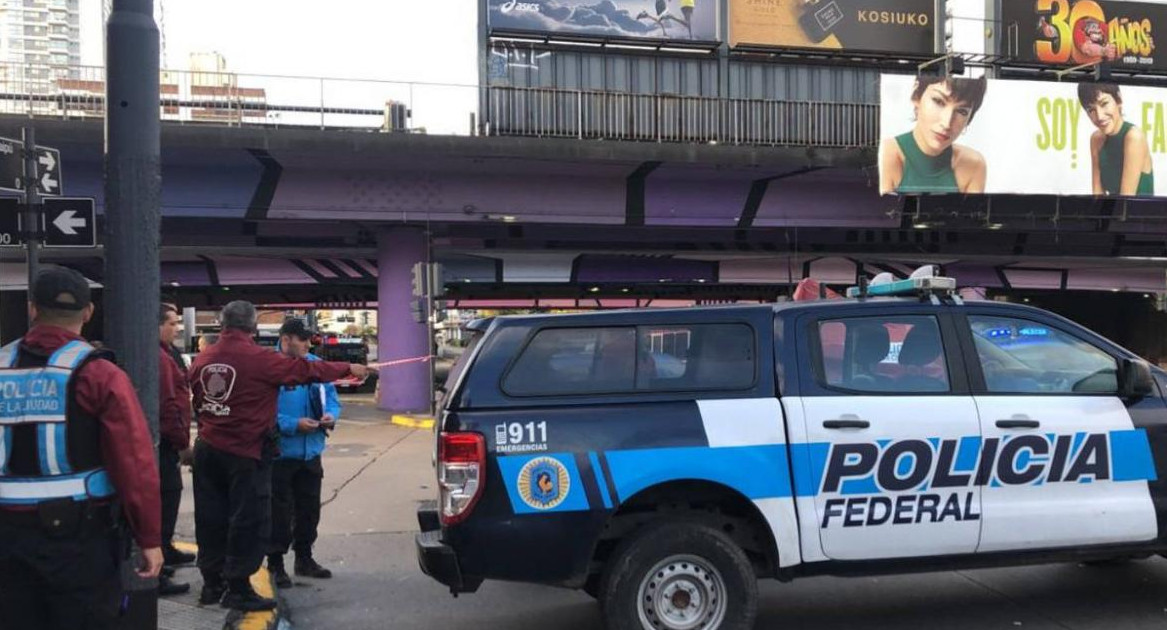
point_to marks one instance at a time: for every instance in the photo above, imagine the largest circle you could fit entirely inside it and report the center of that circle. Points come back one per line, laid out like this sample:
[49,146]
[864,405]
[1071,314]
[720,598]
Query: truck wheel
[679,576]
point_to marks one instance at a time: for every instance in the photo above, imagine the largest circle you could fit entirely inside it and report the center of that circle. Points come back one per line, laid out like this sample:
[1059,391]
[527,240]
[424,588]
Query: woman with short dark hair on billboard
[927,158]
[1119,153]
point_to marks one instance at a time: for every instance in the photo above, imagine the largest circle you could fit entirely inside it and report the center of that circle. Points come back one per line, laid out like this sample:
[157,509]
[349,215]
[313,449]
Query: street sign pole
[32,223]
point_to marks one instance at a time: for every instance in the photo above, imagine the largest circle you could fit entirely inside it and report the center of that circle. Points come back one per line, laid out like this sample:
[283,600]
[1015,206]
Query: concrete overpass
[307,215]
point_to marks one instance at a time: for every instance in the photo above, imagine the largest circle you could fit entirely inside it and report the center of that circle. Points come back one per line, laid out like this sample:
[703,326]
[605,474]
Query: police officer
[305,415]
[174,447]
[235,384]
[77,451]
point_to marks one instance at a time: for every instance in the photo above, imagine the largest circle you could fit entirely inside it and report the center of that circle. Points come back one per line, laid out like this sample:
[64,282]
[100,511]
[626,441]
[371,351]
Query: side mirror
[1135,380]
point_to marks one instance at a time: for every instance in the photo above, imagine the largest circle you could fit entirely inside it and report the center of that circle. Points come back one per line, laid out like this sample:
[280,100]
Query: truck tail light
[461,474]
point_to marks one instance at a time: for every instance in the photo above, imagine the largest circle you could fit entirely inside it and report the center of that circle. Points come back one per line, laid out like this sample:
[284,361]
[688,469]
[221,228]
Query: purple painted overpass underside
[646,270]
[690,196]
[397,196]
[596,194]
[818,201]
[195,183]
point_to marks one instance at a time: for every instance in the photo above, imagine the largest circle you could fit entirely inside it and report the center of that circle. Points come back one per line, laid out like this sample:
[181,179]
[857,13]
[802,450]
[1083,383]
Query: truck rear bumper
[437,559]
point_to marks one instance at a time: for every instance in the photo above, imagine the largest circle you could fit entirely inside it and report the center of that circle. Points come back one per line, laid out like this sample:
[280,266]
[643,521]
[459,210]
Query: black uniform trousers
[295,505]
[170,476]
[67,581]
[232,513]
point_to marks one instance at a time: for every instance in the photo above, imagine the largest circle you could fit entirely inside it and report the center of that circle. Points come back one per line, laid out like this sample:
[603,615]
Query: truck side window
[570,361]
[567,361]
[1020,356]
[696,357]
[892,354]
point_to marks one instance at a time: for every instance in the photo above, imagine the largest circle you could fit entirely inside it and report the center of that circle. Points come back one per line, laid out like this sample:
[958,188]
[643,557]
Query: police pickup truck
[663,460]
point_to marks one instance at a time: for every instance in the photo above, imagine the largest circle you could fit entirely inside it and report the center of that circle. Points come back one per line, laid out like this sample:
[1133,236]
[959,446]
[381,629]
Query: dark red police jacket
[173,402]
[236,383]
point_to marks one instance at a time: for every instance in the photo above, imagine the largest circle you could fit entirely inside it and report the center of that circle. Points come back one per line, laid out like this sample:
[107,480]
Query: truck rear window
[572,361]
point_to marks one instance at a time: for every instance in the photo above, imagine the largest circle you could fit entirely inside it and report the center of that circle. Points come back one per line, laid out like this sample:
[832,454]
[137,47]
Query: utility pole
[133,184]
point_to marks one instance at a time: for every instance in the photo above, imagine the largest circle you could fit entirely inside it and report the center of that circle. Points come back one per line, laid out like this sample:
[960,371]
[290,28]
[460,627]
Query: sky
[388,40]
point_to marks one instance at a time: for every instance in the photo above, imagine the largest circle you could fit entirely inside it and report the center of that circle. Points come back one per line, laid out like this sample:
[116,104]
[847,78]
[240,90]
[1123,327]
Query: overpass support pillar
[404,388]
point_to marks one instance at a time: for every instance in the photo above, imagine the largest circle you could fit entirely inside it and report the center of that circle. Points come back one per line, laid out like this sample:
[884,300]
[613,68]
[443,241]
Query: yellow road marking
[262,583]
[413,422]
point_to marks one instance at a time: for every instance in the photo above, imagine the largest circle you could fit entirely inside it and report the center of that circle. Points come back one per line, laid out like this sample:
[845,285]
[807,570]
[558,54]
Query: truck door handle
[846,423]
[1018,422]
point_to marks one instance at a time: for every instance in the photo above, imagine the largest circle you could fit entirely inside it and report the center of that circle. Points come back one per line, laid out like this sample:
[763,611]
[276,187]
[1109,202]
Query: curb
[264,585]
[413,422]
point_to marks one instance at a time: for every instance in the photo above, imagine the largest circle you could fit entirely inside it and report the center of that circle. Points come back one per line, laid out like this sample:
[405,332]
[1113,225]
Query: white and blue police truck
[664,460]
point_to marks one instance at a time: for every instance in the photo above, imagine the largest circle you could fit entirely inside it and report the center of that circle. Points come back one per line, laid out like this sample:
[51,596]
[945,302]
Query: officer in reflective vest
[75,455]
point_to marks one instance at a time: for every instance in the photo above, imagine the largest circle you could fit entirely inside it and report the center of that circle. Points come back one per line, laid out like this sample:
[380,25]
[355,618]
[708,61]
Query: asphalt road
[376,472]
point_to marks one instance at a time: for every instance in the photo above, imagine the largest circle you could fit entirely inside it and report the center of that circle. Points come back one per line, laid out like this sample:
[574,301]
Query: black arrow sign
[70,222]
[48,168]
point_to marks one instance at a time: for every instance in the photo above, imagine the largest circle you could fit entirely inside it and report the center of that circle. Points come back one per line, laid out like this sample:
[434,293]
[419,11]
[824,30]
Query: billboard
[1021,137]
[1075,32]
[888,26]
[685,20]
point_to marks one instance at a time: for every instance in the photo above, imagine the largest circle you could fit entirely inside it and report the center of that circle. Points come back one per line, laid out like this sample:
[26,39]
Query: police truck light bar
[922,281]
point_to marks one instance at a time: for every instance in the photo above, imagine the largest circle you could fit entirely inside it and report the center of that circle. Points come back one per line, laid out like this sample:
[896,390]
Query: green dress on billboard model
[1110,162]
[925,173]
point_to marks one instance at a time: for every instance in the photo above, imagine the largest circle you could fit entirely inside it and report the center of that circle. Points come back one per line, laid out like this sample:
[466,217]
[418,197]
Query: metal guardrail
[229,99]
[232,99]
[671,118]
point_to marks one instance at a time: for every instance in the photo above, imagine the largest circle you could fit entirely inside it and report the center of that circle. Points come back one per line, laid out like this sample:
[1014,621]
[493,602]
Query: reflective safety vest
[688,3]
[48,447]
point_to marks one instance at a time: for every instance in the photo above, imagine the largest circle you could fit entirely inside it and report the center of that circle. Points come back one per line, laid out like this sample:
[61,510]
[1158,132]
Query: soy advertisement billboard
[685,20]
[1075,32]
[973,136]
[888,26]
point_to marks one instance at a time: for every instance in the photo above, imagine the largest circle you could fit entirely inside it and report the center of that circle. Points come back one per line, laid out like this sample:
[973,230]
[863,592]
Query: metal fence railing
[671,118]
[233,99]
[230,99]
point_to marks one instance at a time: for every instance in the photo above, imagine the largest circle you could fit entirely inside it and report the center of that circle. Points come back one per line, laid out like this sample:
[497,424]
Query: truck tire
[674,576]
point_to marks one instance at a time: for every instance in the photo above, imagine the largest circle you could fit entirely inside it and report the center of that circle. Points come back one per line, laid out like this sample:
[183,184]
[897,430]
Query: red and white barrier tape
[375,366]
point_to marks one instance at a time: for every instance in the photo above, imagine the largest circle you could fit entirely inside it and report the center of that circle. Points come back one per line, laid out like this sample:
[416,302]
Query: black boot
[174,558]
[167,586]
[240,596]
[212,593]
[308,567]
[275,565]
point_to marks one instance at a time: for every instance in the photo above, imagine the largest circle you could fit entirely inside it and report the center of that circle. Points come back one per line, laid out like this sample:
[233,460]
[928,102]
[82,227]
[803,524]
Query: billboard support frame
[951,67]
[1101,70]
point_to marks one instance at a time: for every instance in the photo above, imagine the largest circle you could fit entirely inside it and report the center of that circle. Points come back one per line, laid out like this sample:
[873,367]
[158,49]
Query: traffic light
[437,287]
[419,279]
[417,308]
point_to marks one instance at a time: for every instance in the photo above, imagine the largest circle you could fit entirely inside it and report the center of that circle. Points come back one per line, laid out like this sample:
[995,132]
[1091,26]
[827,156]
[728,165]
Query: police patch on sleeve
[543,483]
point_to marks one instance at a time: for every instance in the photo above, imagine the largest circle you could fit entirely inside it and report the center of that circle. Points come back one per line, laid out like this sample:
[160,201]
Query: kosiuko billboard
[685,20]
[886,26]
[1074,32]
[959,135]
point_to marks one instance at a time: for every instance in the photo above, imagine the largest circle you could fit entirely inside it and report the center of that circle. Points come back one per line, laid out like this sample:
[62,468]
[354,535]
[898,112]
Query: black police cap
[60,288]
[295,327]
